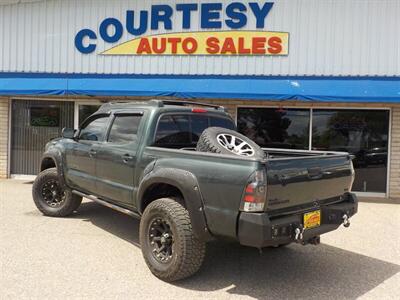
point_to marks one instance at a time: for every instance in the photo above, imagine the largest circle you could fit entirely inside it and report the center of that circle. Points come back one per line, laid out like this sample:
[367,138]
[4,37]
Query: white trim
[33,98]
[389,162]
[23,177]
[313,107]
[76,115]
[305,106]
[370,195]
[310,130]
[9,138]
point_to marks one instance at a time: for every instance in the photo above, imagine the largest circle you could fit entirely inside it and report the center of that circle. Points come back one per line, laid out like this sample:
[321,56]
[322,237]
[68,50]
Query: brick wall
[3,137]
[394,179]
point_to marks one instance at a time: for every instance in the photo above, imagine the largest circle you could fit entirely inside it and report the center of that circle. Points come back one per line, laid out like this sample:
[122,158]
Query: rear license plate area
[312,219]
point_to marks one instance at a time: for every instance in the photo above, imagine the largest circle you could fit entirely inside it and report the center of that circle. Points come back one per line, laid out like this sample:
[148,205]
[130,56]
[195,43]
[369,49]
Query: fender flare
[187,183]
[57,158]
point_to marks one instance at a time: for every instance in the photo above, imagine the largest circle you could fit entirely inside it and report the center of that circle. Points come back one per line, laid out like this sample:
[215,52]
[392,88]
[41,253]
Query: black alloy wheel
[53,194]
[169,246]
[51,197]
[161,240]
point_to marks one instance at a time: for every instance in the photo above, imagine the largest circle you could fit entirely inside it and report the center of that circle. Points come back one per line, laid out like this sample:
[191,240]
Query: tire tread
[191,249]
[72,202]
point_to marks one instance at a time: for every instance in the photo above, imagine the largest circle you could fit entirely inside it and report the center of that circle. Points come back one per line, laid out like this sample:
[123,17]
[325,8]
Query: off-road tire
[187,250]
[69,205]
[208,142]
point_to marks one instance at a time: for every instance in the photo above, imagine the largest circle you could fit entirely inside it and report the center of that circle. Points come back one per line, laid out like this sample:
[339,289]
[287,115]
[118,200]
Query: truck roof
[158,104]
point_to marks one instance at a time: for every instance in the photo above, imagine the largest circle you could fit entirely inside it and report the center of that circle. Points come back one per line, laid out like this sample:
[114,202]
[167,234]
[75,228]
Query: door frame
[10,119]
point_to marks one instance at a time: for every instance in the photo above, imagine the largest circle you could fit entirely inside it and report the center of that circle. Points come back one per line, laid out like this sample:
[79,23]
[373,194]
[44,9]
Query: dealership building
[298,74]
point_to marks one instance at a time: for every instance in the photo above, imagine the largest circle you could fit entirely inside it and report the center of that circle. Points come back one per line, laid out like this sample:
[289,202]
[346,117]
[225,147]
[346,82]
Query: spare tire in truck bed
[226,141]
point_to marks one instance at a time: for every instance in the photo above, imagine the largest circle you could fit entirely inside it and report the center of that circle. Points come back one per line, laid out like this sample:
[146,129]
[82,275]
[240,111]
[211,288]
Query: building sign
[211,40]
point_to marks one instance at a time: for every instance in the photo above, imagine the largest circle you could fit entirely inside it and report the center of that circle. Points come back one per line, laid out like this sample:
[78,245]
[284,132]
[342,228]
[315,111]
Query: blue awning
[327,89]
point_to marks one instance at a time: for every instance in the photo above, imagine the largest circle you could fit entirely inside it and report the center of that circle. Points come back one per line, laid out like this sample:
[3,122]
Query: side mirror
[68,133]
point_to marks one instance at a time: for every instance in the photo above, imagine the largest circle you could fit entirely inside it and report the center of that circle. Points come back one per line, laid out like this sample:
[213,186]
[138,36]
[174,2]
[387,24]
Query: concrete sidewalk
[95,254]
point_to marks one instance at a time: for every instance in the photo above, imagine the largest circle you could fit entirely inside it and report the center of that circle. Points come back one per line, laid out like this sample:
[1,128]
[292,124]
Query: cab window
[181,131]
[173,131]
[94,130]
[124,129]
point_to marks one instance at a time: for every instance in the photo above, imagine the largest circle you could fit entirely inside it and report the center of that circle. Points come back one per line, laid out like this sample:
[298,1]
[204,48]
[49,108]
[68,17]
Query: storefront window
[86,110]
[275,127]
[363,133]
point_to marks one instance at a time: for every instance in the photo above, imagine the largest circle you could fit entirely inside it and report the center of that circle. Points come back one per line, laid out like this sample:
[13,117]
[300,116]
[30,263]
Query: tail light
[199,110]
[255,193]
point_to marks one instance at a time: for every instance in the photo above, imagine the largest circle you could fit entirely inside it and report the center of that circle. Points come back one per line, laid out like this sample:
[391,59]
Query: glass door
[34,123]
[363,133]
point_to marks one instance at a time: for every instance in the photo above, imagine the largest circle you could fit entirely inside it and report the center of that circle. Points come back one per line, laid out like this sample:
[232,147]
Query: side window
[173,132]
[180,131]
[95,130]
[124,129]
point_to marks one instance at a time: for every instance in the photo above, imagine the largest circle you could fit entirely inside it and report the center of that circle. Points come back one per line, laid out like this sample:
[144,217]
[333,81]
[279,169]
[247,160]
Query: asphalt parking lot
[95,254]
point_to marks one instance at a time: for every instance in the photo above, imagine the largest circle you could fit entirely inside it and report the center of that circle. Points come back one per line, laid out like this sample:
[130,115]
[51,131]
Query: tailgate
[301,180]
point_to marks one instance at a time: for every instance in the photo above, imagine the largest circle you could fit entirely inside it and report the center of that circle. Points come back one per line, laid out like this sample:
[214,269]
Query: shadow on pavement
[292,272]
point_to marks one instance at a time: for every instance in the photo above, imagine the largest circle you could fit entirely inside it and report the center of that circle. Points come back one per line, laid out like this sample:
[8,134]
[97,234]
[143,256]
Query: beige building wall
[4,139]
[394,177]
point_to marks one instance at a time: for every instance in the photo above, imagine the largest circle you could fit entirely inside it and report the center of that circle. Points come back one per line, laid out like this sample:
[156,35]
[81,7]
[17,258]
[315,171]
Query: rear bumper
[260,230]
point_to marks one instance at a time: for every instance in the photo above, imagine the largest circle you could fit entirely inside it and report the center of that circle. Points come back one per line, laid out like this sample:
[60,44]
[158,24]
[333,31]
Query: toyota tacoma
[190,177]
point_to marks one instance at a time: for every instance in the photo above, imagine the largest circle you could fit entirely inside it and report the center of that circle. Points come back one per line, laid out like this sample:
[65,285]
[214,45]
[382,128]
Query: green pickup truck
[183,170]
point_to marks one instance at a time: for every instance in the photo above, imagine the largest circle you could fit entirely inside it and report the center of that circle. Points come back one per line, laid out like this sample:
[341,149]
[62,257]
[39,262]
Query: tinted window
[364,133]
[275,127]
[199,124]
[173,130]
[124,129]
[222,122]
[95,130]
[179,131]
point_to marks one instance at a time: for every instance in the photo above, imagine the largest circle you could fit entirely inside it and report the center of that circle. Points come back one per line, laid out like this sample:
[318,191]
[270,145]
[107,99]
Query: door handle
[92,152]
[126,158]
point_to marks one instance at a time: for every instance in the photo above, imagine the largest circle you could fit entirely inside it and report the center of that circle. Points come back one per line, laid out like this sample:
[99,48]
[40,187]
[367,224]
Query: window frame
[90,120]
[111,123]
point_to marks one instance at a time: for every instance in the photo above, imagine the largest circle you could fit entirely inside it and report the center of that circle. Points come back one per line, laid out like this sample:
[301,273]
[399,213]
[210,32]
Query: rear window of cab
[183,130]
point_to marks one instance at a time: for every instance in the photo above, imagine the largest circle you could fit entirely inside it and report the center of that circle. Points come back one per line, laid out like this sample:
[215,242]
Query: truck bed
[297,179]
